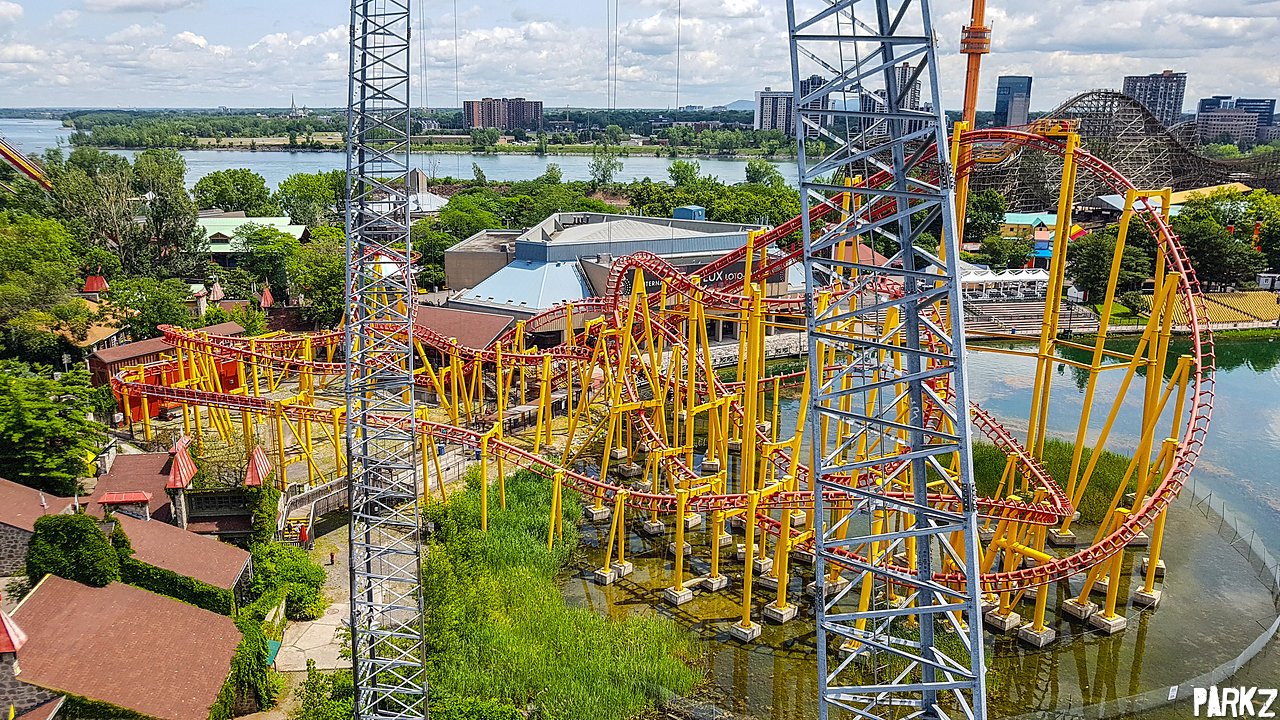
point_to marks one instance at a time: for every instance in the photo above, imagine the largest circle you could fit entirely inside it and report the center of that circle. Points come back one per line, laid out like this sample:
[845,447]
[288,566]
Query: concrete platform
[1100,587]
[1110,626]
[1058,538]
[798,518]
[804,557]
[1027,634]
[604,577]
[725,540]
[624,568]
[595,514]
[775,615]
[1073,608]
[1146,560]
[693,520]
[1143,599]
[1142,539]
[671,548]
[677,597]
[712,584]
[745,634]
[618,453]
[630,470]
[1002,623]
[653,527]
[767,582]
[762,565]
[832,587]
[710,467]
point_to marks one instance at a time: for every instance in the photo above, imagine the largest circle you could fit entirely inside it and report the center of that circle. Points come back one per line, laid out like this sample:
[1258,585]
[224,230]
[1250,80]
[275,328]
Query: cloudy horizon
[206,53]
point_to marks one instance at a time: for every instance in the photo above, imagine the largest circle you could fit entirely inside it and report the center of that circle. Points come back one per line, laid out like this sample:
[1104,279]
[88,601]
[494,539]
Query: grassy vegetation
[989,461]
[498,628]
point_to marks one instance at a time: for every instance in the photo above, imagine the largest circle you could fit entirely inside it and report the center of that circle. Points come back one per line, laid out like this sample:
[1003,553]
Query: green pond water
[1213,605]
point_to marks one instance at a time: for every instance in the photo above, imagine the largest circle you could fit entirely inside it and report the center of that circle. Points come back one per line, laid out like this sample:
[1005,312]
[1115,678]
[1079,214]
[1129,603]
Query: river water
[34,136]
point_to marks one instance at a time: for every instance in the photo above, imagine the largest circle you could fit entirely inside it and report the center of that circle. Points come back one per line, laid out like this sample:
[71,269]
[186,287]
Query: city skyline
[203,53]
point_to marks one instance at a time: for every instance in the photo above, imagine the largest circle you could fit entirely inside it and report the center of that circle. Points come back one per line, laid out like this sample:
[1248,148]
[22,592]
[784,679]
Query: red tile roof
[11,636]
[221,524]
[259,468]
[186,553]
[44,711]
[145,472]
[183,470]
[125,646]
[21,505]
[125,498]
[95,283]
[470,328]
[154,346]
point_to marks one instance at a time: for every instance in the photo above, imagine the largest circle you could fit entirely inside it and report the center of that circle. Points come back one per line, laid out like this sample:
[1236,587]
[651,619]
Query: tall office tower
[773,111]
[807,86]
[1013,100]
[912,99]
[1161,93]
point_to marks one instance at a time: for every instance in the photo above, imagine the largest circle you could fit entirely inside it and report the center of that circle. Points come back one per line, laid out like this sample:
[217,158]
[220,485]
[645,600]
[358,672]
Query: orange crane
[22,164]
[975,41]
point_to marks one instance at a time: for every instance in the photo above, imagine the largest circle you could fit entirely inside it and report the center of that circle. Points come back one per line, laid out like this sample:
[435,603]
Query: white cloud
[190,38]
[135,33]
[122,6]
[10,12]
[66,18]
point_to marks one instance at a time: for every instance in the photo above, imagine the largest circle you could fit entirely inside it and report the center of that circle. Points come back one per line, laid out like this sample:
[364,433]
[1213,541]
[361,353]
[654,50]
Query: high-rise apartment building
[774,111]
[1264,108]
[1013,100]
[808,85]
[911,100]
[1161,93]
[503,113]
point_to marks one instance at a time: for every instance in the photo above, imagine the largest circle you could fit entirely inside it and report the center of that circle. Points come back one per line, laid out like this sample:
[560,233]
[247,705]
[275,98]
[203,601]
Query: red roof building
[125,646]
[108,361]
[147,473]
[196,556]
[20,507]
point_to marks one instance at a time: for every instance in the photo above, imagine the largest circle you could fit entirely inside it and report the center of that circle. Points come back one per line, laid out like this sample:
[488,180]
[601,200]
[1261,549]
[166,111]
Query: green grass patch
[498,628]
[989,462]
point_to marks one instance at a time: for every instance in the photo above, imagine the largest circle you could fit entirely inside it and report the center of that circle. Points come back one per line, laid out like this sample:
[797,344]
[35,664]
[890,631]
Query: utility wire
[679,22]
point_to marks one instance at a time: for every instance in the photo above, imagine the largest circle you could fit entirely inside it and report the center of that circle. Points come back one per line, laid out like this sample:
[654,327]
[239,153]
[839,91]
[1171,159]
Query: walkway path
[323,640]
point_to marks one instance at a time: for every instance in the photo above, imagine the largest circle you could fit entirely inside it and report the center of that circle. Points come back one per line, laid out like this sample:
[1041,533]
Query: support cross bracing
[386,598]
[886,358]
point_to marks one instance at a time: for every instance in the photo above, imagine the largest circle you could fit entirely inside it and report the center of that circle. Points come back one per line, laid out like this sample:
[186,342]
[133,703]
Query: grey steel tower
[386,598]
[894,501]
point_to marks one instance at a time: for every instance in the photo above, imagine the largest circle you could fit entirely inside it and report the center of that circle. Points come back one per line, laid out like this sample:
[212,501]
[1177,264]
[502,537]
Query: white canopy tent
[979,283]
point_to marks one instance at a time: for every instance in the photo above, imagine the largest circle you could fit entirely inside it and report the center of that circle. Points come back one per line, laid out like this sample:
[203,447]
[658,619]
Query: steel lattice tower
[886,357]
[386,599]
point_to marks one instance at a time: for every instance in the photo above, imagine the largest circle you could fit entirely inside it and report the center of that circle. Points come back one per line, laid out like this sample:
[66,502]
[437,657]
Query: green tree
[1219,257]
[318,271]
[614,134]
[763,172]
[143,304]
[684,173]
[984,213]
[1089,264]
[465,215]
[238,189]
[45,433]
[267,253]
[605,164]
[72,547]
[1002,253]
[313,198]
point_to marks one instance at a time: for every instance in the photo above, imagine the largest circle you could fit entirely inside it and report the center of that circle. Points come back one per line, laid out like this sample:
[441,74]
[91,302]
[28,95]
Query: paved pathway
[323,640]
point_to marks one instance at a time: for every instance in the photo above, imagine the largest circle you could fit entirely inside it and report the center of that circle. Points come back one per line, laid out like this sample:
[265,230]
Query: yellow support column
[745,630]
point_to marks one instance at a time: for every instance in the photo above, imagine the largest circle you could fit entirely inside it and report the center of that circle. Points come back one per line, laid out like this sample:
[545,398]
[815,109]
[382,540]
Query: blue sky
[204,53]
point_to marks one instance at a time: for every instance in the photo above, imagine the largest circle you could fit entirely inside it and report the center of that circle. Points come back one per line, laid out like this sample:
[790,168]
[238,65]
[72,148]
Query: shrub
[279,565]
[72,546]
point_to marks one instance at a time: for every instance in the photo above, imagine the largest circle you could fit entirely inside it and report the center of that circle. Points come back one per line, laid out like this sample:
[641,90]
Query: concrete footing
[630,470]
[692,520]
[1146,562]
[1057,538]
[774,614]
[1029,635]
[798,518]
[710,467]
[671,548]
[1142,539]
[624,568]
[762,565]
[653,527]
[986,534]
[718,582]
[1073,608]
[804,557]
[736,522]
[1002,623]
[832,587]
[595,514]
[725,540]
[734,446]
[1144,599]
[747,633]
[1108,625]
[618,453]
[1100,587]
[677,597]
[604,577]
[767,582]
